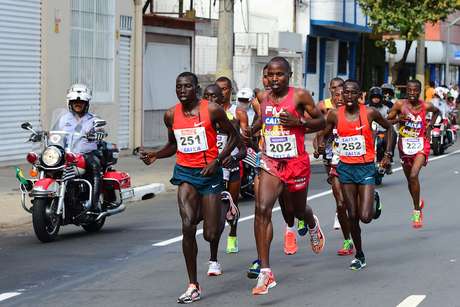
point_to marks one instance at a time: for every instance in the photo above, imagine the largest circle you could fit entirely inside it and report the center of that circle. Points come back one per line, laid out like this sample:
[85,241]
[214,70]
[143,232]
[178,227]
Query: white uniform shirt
[72,123]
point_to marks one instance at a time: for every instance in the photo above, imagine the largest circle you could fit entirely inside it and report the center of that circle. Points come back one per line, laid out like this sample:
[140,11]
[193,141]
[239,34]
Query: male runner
[414,141]
[356,168]
[285,165]
[231,170]
[192,136]
[330,159]
[239,118]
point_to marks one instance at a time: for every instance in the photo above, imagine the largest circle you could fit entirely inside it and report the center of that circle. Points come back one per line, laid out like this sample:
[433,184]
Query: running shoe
[317,238]
[301,228]
[254,269]
[378,205]
[232,245]
[347,248]
[265,281]
[336,222]
[422,205]
[214,268]
[417,220]
[192,294]
[358,264]
[290,242]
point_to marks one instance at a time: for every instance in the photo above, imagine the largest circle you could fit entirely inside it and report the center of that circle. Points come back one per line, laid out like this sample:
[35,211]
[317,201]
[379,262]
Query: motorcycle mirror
[99,123]
[26,126]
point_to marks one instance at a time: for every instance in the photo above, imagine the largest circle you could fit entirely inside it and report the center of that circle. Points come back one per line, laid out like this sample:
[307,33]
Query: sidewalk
[12,213]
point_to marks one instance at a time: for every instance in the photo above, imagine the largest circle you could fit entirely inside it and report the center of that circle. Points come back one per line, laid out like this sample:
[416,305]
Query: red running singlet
[356,143]
[195,136]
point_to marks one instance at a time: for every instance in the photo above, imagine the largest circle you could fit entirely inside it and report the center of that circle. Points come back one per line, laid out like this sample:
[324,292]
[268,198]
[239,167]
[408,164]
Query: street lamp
[449,25]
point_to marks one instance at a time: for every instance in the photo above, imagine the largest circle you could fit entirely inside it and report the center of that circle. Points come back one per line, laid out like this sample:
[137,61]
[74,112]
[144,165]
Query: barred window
[93,46]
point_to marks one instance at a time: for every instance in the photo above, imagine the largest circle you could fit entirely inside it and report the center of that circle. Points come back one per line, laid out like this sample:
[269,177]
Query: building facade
[49,45]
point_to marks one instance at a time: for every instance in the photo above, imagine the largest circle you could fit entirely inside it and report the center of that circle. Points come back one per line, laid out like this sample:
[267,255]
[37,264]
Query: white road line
[7,295]
[250,217]
[412,301]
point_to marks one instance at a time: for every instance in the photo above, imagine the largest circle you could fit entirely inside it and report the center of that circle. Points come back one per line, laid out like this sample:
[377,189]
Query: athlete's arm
[429,107]
[331,122]
[392,116]
[219,117]
[242,117]
[374,115]
[169,149]
[304,99]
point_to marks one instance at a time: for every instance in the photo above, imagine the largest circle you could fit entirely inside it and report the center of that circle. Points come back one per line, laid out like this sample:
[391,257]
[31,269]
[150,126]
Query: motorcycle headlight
[51,156]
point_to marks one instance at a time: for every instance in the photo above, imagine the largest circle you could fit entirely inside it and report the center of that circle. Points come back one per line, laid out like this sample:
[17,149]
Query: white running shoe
[214,268]
[336,222]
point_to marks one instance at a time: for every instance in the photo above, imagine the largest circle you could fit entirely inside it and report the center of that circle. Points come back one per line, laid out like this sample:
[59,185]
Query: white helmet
[79,92]
[245,93]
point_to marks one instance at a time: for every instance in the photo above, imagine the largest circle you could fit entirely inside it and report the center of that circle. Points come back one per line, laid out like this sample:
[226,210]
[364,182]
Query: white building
[48,45]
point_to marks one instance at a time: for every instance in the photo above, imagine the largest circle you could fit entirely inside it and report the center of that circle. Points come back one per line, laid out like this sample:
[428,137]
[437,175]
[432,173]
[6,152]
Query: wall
[56,63]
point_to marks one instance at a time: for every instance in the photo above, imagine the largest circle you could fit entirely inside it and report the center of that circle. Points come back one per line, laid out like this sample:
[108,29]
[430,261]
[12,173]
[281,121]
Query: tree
[404,19]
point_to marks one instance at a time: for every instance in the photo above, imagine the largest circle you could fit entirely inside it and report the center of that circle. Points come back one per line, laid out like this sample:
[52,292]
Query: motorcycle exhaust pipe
[117,210]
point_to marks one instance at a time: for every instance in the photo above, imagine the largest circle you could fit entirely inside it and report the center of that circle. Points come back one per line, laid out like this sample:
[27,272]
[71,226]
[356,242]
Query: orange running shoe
[290,242]
[265,281]
[317,238]
[417,219]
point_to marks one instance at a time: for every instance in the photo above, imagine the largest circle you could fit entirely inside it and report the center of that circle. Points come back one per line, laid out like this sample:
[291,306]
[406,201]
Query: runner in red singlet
[356,168]
[414,141]
[192,136]
[285,165]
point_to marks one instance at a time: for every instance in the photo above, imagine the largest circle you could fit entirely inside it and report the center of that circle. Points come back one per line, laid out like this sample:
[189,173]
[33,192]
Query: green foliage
[405,18]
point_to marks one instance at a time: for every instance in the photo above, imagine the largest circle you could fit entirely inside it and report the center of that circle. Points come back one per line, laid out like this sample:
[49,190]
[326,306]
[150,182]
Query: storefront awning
[436,52]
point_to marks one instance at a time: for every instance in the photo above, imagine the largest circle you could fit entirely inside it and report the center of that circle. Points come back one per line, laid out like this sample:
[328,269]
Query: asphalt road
[120,266]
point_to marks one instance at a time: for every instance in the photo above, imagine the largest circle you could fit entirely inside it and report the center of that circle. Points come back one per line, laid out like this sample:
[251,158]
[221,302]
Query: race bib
[279,147]
[221,142]
[191,140]
[411,146]
[352,146]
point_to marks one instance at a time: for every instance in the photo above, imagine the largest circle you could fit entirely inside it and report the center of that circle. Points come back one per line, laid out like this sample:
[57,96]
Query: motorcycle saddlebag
[122,178]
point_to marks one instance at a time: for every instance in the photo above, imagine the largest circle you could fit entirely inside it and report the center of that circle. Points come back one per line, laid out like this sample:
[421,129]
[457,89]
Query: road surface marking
[7,295]
[412,301]
[250,217]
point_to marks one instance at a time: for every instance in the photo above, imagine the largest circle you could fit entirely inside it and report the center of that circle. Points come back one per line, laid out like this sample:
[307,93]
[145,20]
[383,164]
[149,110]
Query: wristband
[389,154]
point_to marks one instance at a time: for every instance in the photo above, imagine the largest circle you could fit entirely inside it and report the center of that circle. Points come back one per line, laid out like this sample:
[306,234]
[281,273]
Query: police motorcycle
[61,193]
[443,133]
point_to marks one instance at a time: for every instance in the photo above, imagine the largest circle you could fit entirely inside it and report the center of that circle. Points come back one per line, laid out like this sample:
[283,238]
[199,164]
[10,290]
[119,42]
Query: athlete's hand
[316,154]
[210,169]
[386,162]
[321,148]
[246,134]
[227,162]
[289,120]
[148,157]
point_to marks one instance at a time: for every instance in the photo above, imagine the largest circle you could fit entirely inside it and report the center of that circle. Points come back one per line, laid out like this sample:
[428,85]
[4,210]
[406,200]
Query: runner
[193,138]
[330,159]
[414,141]
[231,169]
[285,165]
[356,168]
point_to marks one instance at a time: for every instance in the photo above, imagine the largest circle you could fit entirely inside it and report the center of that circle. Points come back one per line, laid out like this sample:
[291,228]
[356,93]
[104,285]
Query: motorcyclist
[376,101]
[79,120]
[388,91]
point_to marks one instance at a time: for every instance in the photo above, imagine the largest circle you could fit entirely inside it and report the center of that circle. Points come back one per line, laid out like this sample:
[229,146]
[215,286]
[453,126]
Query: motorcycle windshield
[67,140]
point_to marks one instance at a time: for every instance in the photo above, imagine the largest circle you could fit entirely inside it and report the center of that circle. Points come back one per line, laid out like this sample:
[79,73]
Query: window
[343,57]
[92,46]
[312,54]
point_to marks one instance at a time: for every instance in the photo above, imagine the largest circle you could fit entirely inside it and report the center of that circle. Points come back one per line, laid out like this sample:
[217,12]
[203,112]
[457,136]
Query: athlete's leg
[341,207]
[350,197]
[189,202]
[234,190]
[270,188]
[366,203]
[412,173]
[287,210]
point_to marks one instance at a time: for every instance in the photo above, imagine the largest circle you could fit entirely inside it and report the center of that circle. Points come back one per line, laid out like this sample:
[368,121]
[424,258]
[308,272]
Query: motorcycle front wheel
[46,223]
[437,146]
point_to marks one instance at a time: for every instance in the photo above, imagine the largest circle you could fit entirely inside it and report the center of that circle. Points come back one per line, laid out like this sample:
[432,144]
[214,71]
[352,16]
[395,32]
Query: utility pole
[420,60]
[225,39]
[138,110]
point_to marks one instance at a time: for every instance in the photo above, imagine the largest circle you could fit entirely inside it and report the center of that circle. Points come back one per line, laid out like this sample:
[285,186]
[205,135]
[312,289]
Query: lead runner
[285,165]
